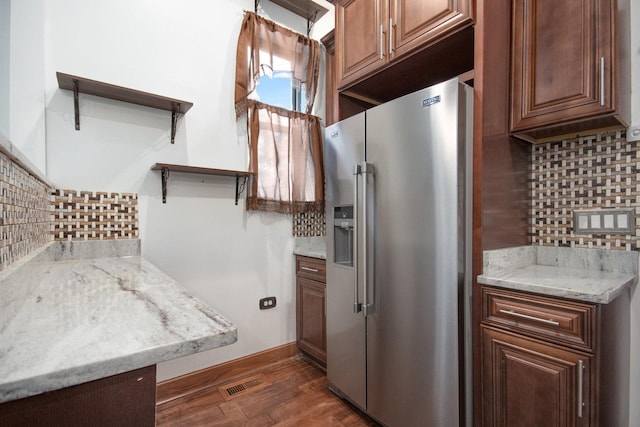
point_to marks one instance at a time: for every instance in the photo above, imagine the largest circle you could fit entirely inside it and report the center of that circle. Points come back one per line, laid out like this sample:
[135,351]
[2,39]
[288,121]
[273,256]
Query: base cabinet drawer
[567,322]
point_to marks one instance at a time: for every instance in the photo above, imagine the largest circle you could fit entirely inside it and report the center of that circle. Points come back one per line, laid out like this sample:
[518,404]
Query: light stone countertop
[68,317]
[310,246]
[591,275]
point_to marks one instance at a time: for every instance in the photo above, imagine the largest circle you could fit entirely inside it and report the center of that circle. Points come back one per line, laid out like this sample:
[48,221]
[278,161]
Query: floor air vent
[242,387]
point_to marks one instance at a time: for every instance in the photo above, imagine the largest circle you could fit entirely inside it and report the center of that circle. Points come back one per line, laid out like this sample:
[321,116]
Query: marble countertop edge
[600,297]
[515,269]
[313,247]
[68,377]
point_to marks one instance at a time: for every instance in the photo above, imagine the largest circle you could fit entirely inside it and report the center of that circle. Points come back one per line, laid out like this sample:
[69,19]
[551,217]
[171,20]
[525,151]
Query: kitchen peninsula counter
[590,275]
[81,311]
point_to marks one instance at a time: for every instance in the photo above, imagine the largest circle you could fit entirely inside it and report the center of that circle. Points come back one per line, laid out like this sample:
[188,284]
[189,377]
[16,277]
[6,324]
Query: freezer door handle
[366,170]
[357,305]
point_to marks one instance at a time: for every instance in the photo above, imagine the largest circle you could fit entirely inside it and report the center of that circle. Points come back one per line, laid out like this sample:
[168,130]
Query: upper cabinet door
[361,37]
[417,23]
[374,34]
[565,67]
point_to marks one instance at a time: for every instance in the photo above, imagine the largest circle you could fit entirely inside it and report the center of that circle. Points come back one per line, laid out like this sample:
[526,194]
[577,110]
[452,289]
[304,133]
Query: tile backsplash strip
[589,172]
[26,212]
[93,215]
[308,224]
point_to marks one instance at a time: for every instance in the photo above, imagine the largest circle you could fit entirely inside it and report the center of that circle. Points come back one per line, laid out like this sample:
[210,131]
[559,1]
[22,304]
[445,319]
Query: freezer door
[413,335]
[346,359]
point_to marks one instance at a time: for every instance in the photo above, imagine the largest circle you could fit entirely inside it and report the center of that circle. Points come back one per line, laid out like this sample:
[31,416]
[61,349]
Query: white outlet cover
[633,133]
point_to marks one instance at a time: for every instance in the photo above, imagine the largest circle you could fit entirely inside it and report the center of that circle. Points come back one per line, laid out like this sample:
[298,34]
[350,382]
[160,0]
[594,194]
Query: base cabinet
[127,399]
[547,361]
[311,334]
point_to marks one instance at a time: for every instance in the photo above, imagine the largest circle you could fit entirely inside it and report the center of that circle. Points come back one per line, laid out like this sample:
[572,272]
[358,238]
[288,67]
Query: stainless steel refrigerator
[399,258]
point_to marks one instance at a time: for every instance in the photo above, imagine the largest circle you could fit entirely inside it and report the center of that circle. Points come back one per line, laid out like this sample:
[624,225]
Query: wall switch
[604,221]
[267,303]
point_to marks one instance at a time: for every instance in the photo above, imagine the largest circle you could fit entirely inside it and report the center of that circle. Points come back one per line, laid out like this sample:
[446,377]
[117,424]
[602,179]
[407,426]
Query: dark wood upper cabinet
[373,34]
[569,67]
[415,23]
[359,38]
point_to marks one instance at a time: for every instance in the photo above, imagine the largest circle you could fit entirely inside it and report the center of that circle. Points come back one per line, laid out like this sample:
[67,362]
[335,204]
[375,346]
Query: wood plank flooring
[292,392]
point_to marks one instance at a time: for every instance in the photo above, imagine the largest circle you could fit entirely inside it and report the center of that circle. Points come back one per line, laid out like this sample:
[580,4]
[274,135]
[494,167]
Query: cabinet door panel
[418,23]
[312,336]
[530,383]
[360,38]
[562,61]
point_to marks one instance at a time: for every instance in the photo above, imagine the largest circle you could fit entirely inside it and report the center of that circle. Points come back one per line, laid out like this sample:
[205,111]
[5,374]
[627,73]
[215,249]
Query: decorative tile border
[308,224]
[25,204]
[590,172]
[93,215]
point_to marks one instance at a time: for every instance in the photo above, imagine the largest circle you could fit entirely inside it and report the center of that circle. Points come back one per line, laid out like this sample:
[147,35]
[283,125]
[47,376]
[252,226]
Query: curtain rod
[309,24]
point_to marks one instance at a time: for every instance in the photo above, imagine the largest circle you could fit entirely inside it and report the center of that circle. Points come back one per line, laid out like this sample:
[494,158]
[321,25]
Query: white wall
[186,50]
[24,124]
[5,75]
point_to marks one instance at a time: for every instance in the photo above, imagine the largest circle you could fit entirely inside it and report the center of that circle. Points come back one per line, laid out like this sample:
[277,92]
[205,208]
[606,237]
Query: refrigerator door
[413,366]
[346,334]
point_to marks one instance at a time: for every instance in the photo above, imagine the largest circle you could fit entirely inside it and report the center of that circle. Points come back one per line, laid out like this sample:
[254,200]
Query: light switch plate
[604,221]
[633,133]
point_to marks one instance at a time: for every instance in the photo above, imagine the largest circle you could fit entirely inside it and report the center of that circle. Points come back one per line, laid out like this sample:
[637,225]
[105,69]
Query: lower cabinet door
[530,383]
[311,331]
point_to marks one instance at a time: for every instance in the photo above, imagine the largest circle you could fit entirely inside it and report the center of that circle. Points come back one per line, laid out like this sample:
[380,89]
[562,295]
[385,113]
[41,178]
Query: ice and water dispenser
[343,235]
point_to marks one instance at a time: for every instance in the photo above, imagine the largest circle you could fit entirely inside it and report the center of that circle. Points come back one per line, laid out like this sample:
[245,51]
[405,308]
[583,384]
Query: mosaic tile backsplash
[34,214]
[590,172]
[308,224]
[87,215]
[26,212]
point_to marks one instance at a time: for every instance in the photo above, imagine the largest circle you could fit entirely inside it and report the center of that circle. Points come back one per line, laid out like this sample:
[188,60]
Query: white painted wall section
[26,86]
[227,257]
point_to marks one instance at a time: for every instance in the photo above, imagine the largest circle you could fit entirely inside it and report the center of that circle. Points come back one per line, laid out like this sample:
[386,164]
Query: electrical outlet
[267,303]
[633,133]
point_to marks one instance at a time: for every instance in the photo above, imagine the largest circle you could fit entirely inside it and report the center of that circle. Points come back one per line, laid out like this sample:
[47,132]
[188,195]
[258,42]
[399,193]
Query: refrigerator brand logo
[430,101]
[334,134]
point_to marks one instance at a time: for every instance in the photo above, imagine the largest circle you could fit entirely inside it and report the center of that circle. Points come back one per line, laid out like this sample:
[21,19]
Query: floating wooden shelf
[165,168]
[308,9]
[119,93]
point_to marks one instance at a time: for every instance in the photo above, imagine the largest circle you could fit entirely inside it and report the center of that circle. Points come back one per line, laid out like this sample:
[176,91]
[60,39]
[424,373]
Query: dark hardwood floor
[292,392]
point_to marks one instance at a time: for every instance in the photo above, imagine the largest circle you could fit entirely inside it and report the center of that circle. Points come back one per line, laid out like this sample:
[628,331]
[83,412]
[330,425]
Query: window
[276,81]
[278,88]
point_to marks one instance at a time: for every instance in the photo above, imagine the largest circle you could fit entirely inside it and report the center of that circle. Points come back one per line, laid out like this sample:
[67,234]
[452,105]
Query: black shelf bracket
[165,178]
[311,21]
[76,108]
[240,187]
[174,121]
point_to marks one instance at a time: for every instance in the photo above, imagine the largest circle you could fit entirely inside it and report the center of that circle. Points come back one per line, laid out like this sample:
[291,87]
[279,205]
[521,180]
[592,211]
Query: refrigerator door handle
[366,169]
[357,305]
